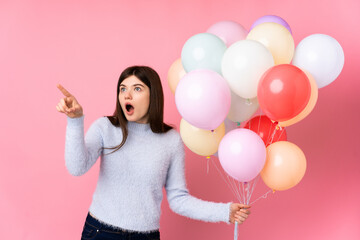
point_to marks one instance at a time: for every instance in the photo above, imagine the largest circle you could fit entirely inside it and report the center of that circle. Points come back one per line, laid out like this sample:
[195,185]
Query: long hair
[156,107]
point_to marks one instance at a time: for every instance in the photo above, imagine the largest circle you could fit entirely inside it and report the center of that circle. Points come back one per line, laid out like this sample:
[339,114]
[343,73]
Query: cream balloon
[200,141]
[277,39]
[285,166]
[243,64]
[175,73]
[309,107]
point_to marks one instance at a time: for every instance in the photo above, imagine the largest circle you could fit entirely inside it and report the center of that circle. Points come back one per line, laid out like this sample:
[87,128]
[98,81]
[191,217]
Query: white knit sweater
[129,189]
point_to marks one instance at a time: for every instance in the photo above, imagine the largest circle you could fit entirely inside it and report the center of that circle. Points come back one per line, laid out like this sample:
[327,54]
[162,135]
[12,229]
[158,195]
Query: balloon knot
[273,190]
[208,157]
[212,130]
[238,124]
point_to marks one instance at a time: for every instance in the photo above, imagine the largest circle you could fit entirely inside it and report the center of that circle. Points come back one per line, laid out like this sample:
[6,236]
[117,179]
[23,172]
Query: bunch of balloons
[227,73]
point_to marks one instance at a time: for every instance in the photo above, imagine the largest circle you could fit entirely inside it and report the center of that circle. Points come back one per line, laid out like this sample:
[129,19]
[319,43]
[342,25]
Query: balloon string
[236,231]
[207,170]
[241,200]
[236,190]
[246,191]
[251,187]
[255,182]
[269,136]
[263,196]
[228,183]
[273,135]
[231,183]
[249,193]
[282,131]
[233,186]
[258,131]
[243,191]
[241,194]
[239,189]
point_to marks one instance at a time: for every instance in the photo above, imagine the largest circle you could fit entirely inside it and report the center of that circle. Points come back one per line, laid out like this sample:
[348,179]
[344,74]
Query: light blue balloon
[203,51]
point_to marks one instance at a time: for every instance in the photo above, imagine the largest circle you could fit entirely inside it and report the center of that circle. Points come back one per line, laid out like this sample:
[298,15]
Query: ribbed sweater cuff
[75,122]
[227,213]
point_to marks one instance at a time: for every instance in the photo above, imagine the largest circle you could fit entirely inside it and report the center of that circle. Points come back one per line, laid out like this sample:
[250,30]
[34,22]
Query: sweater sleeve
[81,153]
[181,202]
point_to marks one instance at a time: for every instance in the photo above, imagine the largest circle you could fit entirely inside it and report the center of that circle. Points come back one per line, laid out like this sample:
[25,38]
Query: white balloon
[243,64]
[322,56]
[242,109]
[230,125]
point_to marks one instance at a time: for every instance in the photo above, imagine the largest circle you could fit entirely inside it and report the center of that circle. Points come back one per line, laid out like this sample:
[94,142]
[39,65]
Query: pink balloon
[228,31]
[203,98]
[242,154]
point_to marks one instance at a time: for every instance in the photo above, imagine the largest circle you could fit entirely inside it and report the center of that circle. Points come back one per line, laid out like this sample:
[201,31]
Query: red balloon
[266,129]
[283,92]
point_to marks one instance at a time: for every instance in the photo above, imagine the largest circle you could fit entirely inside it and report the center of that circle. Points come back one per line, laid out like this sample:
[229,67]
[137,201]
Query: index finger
[64,91]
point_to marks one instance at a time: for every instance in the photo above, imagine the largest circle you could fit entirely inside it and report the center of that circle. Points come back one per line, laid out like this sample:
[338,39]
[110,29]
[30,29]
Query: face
[134,98]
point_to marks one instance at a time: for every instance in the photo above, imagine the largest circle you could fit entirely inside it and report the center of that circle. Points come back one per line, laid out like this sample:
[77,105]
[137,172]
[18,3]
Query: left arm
[183,203]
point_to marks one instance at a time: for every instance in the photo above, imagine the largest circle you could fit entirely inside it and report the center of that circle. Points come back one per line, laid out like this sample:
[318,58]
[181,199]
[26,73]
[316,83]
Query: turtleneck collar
[138,127]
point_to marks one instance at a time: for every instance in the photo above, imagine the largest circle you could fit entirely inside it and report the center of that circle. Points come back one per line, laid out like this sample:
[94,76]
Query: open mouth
[129,108]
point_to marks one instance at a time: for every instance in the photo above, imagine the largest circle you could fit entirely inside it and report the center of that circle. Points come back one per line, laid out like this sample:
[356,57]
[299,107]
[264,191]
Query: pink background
[86,44]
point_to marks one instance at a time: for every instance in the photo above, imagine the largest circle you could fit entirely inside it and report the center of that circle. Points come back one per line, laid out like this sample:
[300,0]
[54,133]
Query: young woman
[140,155]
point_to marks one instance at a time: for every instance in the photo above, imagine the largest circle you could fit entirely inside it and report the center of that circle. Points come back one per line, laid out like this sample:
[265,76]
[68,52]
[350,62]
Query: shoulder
[173,136]
[102,123]
[173,141]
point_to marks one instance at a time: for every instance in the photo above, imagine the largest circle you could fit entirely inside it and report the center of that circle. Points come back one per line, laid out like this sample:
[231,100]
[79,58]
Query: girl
[140,155]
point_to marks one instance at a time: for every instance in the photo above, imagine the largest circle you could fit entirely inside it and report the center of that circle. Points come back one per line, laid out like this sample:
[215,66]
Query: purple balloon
[271,18]
[242,154]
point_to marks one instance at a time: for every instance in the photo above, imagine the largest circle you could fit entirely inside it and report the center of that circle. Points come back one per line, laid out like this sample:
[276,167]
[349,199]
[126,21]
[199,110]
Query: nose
[128,95]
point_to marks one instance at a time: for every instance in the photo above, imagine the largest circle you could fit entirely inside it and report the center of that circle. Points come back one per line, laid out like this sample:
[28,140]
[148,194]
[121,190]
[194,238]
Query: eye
[122,89]
[137,89]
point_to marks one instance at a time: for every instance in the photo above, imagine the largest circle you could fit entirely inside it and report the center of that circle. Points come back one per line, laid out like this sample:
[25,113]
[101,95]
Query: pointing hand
[69,105]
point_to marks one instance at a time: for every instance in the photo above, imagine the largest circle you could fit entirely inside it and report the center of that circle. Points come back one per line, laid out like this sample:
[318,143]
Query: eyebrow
[137,84]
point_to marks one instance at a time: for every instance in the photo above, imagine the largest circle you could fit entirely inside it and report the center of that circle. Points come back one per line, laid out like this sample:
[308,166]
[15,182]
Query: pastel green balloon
[203,51]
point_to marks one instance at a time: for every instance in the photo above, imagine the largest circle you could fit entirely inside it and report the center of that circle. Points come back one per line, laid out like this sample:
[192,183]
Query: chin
[135,118]
[131,119]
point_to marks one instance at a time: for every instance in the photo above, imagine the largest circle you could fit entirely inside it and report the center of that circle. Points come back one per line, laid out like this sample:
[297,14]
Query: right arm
[80,153]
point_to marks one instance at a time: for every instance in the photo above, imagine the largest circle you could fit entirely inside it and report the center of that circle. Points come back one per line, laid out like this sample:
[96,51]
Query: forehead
[131,80]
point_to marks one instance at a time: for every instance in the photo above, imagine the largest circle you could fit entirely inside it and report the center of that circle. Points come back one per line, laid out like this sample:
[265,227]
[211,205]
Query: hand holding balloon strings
[239,212]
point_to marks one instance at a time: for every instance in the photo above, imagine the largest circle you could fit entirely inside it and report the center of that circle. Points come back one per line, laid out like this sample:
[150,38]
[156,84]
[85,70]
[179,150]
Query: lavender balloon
[271,18]
[242,154]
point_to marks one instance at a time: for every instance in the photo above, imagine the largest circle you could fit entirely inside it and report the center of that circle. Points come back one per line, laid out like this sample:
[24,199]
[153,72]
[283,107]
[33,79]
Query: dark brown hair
[156,107]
